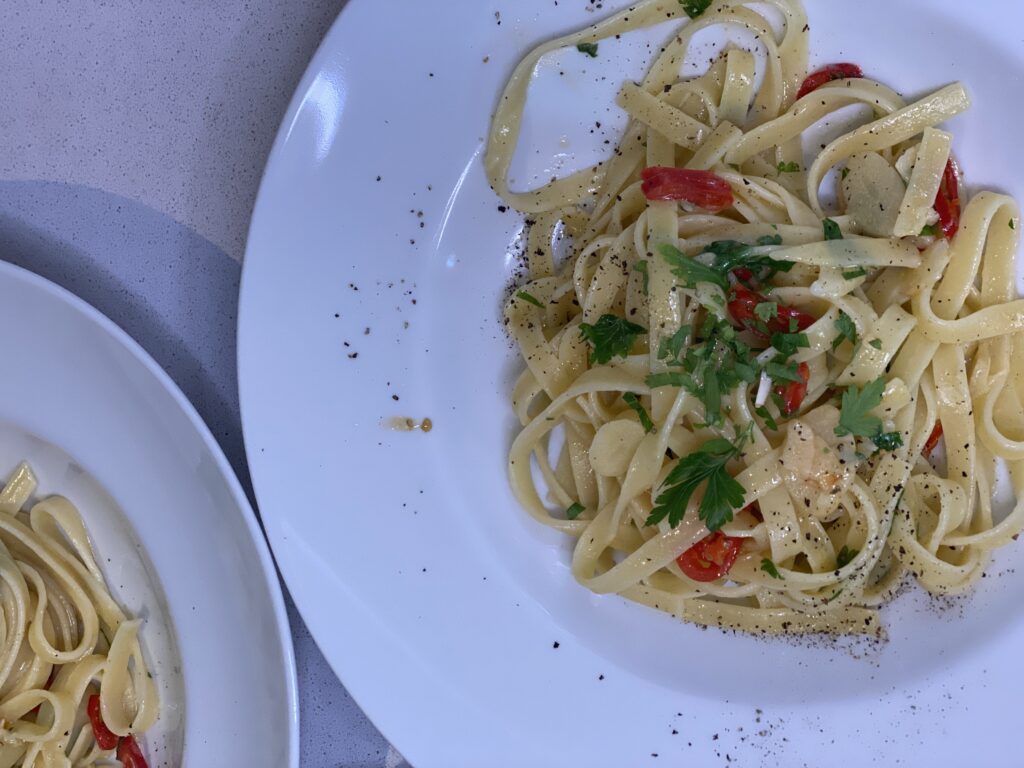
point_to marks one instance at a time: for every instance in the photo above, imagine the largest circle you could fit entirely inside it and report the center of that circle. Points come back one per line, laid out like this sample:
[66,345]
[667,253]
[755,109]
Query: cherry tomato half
[702,188]
[947,201]
[794,392]
[105,738]
[818,78]
[710,558]
[743,302]
[933,440]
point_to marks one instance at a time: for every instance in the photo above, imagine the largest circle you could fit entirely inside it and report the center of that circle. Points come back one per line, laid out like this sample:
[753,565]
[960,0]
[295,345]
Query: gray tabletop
[135,133]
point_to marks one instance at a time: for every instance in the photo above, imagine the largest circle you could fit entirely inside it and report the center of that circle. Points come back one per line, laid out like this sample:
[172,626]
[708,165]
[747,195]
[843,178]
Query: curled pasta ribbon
[63,638]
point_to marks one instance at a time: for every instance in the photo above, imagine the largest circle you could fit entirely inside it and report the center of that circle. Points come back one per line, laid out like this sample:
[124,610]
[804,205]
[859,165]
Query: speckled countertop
[135,134]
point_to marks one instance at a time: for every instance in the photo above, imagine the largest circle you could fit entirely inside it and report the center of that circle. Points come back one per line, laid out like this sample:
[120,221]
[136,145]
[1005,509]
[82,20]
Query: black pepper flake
[555,644]
[394,397]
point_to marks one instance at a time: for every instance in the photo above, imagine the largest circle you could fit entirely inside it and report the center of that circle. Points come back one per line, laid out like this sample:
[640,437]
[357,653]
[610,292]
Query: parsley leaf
[575,511]
[694,8]
[846,556]
[691,271]
[666,379]
[788,343]
[853,274]
[722,495]
[769,567]
[888,441]
[790,167]
[784,372]
[588,48]
[765,414]
[730,254]
[530,298]
[854,415]
[876,343]
[844,173]
[832,230]
[847,330]
[610,337]
[767,310]
[641,267]
[670,346]
[633,402]
[929,230]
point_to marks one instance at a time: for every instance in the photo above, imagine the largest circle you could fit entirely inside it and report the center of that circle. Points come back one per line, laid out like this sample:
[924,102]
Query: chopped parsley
[641,267]
[691,271]
[789,167]
[588,48]
[888,441]
[722,495]
[530,298]
[765,414]
[633,402]
[694,8]
[575,511]
[854,415]
[853,274]
[714,366]
[667,379]
[767,310]
[670,346]
[876,343]
[844,173]
[832,230]
[788,343]
[731,254]
[846,556]
[929,230]
[781,371]
[610,336]
[847,330]
[769,567]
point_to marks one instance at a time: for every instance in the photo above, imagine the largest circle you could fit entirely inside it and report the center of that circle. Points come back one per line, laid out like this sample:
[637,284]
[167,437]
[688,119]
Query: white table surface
[135,134]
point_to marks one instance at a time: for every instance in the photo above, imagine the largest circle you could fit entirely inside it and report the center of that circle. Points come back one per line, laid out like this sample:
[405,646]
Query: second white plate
[102,424]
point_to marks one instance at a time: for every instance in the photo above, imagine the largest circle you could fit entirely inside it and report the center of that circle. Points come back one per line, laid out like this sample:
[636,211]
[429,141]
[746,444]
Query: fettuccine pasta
[74,687]
[752,409]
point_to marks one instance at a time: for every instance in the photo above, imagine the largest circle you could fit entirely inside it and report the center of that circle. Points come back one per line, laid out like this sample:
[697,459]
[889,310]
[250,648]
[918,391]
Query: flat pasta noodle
[726,405]
[63,639]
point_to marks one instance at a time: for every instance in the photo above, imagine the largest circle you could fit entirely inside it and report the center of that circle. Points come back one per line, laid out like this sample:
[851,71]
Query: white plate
[102,424]
[451,617]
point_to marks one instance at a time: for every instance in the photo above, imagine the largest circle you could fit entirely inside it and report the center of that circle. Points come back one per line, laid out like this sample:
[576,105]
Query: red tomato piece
[710,558]
[933,440]
[794,392]
[947,201]
[827,74]
[105,738]
[744,275]
[702,188]
[130,755]
[742,304]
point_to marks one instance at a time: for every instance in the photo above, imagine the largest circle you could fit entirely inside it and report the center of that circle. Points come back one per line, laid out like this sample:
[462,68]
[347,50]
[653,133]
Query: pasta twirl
[74,687]
[733,397]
